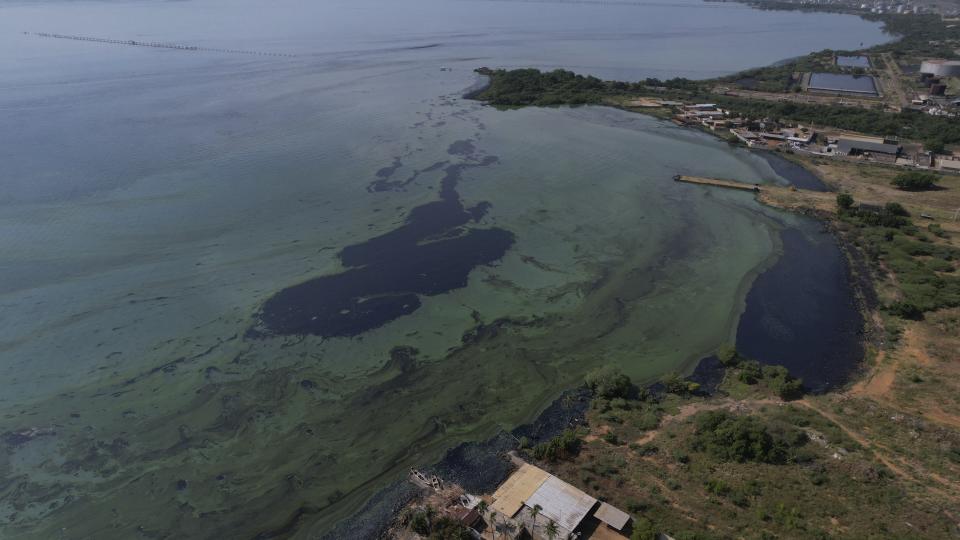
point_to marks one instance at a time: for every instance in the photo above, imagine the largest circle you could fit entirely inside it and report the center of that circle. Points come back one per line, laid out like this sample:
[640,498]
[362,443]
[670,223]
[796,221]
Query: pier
[717,182]
[157,44]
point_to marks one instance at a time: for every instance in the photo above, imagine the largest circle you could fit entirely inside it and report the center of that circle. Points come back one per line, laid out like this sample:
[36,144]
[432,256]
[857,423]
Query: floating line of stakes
[156,44]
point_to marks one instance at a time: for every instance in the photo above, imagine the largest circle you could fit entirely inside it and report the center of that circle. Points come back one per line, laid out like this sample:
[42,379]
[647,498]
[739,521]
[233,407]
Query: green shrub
[844,202]
[647,420]
[717,487]
[896,209]
[915,181]
[728,355]
[675,384]
[643,529]
[609,382]
[750,372]
[905,310]
[936,230]
[564,446]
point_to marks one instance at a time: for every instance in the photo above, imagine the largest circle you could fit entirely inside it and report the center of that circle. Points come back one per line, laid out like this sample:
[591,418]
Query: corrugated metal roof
[561,502]
[612,516]
[509,497]
[844,146]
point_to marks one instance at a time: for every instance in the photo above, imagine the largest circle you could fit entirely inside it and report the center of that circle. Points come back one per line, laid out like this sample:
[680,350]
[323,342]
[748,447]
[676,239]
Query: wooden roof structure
[612,516]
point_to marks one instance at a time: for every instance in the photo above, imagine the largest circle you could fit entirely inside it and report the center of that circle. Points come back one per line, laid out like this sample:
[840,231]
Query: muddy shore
[479,467]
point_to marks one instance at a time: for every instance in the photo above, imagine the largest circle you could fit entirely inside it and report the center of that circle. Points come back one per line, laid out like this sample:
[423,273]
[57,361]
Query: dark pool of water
[802,314]
[431,253]
[837,82]
[796,174]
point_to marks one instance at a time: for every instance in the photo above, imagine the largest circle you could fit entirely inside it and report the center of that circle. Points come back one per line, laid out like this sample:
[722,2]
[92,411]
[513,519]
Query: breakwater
[156,44]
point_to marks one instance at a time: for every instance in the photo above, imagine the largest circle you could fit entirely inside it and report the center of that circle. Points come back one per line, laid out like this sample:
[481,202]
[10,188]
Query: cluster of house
[769,134]
[707,115]
[932,107]
[764,136]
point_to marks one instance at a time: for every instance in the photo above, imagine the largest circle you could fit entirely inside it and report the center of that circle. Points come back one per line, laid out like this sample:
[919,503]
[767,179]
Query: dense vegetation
[776,379]
[924,269]
[745,438]
[523,87]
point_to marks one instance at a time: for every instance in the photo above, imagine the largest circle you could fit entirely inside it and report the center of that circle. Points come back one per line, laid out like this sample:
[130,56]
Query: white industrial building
[941,68]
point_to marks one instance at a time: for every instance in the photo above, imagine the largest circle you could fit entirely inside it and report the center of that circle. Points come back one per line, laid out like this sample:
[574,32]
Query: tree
[915,181]
[675,384]
[493,522]
[552,530]
[934,145]
[535,511]
[481,508]
[608,382]
[844,202]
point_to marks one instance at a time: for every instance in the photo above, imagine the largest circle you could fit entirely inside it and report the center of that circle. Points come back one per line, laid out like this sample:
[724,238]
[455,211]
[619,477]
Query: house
[570,509]
[799,134]
[748,137]
[923,159]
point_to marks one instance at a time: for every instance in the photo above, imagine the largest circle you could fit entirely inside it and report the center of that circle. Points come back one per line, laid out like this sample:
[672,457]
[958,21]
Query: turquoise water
[153,199]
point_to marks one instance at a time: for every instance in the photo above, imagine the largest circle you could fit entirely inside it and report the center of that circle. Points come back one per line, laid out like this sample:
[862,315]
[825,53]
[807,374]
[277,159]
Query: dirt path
[894,77]
[896,464]
[878,383]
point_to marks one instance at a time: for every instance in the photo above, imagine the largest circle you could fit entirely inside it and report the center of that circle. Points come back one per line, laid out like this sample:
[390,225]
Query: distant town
[940,7]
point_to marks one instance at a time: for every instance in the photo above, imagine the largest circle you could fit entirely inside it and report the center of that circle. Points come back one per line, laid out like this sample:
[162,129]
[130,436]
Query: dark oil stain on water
[802,314]
[796,174]
[431,253]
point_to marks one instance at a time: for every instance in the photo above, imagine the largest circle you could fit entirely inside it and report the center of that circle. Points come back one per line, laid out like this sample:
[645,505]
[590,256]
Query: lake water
[154,200]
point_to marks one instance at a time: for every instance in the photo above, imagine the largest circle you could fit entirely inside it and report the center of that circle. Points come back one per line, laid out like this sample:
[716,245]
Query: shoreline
[479,466]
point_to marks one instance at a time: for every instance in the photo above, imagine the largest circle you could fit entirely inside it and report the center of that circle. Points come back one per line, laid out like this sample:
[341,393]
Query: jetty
[156,44]
[717,182]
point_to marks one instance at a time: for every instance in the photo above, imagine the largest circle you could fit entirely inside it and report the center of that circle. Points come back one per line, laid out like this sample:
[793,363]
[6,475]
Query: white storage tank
[941,68]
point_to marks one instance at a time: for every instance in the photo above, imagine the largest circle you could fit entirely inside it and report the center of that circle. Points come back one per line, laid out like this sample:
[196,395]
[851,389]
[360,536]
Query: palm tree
[493,522]
[535,511]
[481,508]
[552,531]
